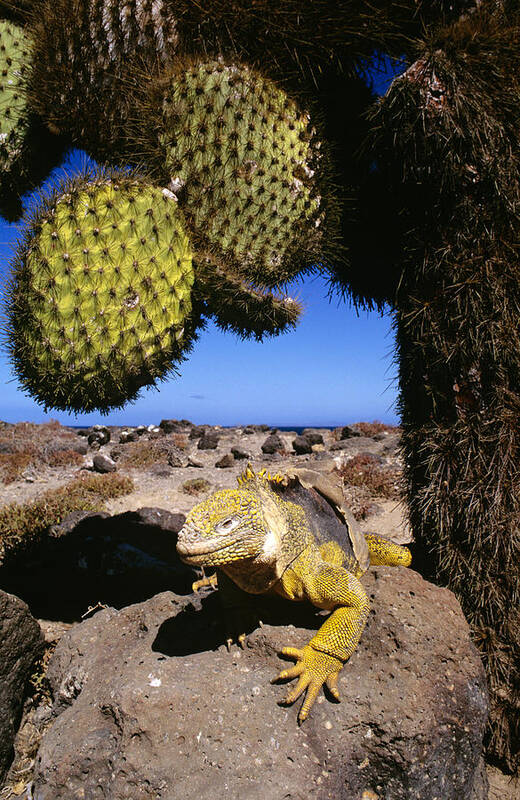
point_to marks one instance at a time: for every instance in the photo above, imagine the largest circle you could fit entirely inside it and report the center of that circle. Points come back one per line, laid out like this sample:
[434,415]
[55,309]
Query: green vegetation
[14,61]
[247,166]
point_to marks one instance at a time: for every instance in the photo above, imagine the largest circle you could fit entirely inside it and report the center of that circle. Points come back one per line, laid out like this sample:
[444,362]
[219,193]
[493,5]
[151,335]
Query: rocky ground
[164,459]
[176,464]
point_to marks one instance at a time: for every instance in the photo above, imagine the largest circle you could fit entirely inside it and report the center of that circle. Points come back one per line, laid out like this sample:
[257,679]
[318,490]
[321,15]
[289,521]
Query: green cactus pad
[14,62]
[244,309]
[100,301]
[246,165]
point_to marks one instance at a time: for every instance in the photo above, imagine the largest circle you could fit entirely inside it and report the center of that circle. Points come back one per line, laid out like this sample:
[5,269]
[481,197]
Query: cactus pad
[14,60]
[82,51]
[246,165]
[100,301]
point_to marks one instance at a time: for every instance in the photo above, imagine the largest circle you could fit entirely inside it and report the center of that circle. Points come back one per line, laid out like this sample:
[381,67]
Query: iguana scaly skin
[278,535]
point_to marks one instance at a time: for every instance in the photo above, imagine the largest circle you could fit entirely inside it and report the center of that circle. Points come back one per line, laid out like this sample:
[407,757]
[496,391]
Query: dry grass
[196,486]
[365,470]
[23,525]
[30,445]
[375,427]
[180,440]
[144,454]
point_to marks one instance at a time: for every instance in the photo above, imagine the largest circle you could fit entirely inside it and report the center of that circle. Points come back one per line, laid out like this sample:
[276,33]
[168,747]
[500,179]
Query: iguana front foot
[205,581]
[313,669]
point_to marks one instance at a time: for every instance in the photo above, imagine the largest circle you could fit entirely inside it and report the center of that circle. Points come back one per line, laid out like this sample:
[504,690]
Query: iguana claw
[240,640]
[313,669]
[205,581]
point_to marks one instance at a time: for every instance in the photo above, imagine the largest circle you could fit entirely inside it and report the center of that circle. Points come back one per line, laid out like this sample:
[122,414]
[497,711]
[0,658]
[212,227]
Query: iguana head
[227,527]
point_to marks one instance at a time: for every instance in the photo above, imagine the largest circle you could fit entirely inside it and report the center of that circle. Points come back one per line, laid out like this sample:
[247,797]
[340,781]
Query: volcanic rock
[147,697]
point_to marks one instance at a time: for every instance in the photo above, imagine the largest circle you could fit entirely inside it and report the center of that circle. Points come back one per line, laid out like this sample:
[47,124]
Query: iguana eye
[227,525]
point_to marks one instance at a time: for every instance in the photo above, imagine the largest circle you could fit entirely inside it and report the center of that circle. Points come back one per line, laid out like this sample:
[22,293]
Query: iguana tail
[383,551]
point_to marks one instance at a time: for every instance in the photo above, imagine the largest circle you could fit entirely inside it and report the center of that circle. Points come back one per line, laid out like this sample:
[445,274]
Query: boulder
[209,441]
[198,430]
[227,460]
[171,426]
[148,703]
[302,445]
[99,434]
[103,463]
[240,454]
[273,444]
[346,432]
[128,436]
[314,436]
[21,643]
[93,558]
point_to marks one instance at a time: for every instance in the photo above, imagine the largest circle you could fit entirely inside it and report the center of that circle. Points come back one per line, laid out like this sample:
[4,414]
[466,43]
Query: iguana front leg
[319,662]
[238,616]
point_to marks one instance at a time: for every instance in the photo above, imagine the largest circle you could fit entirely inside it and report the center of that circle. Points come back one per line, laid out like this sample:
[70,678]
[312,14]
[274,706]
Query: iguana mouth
[194,552]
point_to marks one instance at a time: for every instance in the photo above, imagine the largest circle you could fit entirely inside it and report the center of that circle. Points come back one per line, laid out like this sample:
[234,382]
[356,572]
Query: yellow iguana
[290,535]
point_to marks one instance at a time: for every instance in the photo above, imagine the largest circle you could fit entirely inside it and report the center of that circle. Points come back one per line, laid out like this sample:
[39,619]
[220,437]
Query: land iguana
[291,535]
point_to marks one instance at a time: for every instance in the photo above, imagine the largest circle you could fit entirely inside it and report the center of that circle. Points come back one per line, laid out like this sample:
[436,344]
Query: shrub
[372,428]
[28,444]
[142,454]
[196,486]
[23,525]
[364,469]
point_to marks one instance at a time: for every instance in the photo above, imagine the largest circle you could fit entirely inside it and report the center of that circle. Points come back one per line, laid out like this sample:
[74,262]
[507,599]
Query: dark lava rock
[250,429]
[273,444]
[143,698]
[209,441]
[346,432]
[301,445]
[228,460]
[198,430]
[98,434]
[314,437]
[128,436]
[116,560]
[240,454]
[69,523]
[21,643]
[171,426]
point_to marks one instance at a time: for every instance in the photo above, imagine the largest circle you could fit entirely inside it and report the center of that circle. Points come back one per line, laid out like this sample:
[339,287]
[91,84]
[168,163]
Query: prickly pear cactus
[79,83]
[246,165]
[99,304]
[14,63]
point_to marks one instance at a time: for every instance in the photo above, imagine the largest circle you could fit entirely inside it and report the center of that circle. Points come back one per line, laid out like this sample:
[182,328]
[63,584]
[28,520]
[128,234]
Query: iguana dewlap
[290,535]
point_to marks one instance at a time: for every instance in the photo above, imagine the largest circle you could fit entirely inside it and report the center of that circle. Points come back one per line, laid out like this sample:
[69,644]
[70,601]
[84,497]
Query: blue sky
[335,368]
